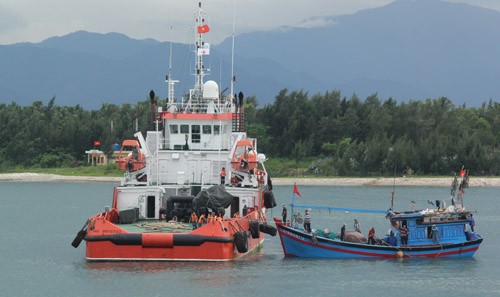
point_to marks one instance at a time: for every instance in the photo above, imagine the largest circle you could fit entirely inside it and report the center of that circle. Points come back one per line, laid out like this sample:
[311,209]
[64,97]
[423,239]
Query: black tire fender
[241,241]
[254,229]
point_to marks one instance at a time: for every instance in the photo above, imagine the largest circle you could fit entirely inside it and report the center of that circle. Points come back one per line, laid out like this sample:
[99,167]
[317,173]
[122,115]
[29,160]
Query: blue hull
[297,243]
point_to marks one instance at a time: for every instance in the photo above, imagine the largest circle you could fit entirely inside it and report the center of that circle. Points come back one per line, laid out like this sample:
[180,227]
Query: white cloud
[35,20]
[315,22]
[10,20]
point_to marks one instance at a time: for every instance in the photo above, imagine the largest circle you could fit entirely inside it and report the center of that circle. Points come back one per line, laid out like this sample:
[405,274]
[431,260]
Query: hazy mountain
[90,69]
[409,49]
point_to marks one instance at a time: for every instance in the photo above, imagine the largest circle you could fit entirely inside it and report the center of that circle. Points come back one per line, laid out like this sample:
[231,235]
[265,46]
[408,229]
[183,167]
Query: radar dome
[210,90]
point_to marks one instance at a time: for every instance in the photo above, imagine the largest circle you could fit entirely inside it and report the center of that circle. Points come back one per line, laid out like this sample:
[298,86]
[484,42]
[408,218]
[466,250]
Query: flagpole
[295,192]
[232,52]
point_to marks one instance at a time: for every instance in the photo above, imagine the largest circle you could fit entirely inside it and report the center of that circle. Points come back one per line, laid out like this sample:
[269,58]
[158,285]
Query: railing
[201,106]
[189,178]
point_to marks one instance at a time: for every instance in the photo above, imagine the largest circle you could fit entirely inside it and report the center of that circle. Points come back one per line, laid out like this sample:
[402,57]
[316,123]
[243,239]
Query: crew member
[357,228]
[342,232]
[284,214]
[404,235]
[194,220]
[472,223]
[371,236]
[201,220]
[223,176]
[435,234]
[307,221]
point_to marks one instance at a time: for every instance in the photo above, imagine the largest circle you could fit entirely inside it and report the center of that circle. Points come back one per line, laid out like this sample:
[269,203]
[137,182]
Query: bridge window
[195,134]
[174,129]
[207,129]
[216,129]
[184,129]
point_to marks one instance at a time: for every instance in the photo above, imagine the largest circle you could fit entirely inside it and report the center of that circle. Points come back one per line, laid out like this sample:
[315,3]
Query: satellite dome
[210,90]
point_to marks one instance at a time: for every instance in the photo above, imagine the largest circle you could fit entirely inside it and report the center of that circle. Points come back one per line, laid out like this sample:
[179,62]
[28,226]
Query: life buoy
[241,241]
[254,229]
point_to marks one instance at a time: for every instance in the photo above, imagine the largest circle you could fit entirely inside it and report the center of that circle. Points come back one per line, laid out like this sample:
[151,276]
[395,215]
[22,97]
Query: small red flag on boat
[203,29]
[296,190]
[462,172]
[97,143]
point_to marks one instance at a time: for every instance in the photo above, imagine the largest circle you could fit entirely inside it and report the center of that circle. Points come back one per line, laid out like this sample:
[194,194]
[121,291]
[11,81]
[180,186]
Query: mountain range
[408,49]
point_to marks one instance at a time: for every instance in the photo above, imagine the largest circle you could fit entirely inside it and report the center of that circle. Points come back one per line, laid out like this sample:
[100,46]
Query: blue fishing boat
[439,231]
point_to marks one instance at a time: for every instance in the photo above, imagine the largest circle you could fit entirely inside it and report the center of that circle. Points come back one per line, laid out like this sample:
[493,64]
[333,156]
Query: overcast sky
[36,20]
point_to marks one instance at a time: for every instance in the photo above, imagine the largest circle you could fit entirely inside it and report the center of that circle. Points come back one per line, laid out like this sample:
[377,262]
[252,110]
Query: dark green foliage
[55,136]
[334,135]
[371,137]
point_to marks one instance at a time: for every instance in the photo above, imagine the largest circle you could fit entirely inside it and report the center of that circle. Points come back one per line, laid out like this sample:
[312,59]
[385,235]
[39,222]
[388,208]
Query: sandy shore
[42,177]
[351,181]
[399,182]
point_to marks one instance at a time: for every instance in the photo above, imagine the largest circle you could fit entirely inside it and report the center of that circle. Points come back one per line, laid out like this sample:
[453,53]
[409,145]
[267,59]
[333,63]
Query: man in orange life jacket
[201,219]
[194,220]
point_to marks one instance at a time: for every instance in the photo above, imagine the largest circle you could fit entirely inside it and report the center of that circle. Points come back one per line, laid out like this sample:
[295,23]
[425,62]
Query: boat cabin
[452,227]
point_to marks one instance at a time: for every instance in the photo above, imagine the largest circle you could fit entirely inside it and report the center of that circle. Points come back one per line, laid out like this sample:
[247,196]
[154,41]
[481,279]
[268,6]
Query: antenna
[394,178]
[170,81]
[232,50]
[199,71]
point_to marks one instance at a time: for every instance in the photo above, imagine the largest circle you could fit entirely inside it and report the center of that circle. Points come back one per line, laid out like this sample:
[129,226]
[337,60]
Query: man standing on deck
[435,234]
[194,220]
[472,223]
[342,232]
[307,221]
[223,176]
[284,214]
[357,228]
[371,236]
[404,235]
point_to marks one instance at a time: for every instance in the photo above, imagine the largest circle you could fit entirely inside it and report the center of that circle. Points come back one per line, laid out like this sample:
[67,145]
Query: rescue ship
[194,189]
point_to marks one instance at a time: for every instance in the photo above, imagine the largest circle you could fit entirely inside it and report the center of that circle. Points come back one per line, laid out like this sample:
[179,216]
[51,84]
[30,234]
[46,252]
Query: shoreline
[334,181]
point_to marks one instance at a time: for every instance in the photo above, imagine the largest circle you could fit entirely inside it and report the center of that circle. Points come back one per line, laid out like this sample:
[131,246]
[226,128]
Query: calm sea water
[39,221]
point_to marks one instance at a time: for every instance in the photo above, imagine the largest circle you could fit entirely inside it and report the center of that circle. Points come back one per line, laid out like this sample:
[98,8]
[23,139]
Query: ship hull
[214,241]
[297,243]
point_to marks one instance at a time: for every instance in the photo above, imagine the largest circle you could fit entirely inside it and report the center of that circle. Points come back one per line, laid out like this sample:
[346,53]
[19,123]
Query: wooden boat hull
[297,243]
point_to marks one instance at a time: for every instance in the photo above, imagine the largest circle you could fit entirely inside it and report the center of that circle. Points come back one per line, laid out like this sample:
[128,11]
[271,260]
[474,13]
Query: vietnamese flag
[203,29]
[296,190]
[97,143]
[462,173]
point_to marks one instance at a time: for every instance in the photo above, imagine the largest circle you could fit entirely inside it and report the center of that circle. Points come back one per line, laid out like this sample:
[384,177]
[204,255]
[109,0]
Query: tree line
[351,137]
[340,136]
[53,136]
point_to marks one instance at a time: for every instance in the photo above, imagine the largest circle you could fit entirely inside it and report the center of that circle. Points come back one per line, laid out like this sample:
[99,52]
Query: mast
[170,81]
[200,28]
[232,52]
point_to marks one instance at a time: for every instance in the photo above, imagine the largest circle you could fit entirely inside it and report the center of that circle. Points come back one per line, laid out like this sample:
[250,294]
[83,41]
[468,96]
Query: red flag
[296,190]
[97,143]
[203,29]
[462,172]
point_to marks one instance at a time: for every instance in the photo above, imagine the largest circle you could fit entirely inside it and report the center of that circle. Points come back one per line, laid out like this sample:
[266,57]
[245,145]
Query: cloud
[10,21]
[316,22]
